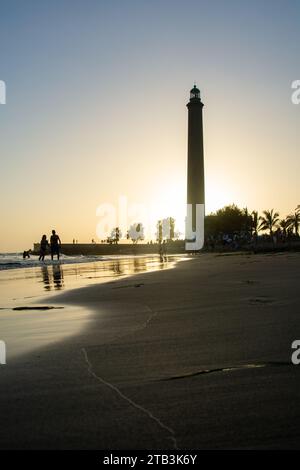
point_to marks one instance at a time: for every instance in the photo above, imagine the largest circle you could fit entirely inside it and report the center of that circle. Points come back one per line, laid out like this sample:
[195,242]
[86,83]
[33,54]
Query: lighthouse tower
[195,174]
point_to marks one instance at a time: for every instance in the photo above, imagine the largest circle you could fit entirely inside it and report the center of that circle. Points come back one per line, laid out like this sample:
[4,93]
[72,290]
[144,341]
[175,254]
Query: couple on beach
[54,246]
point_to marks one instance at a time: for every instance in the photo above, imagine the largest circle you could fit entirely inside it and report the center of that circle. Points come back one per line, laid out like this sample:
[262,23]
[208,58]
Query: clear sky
[96,95]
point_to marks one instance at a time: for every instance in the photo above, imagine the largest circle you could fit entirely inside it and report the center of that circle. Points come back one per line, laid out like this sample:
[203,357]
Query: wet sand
[194,357]
[27,318]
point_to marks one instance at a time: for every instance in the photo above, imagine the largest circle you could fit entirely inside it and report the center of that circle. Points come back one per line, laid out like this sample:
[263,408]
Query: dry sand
[194,357]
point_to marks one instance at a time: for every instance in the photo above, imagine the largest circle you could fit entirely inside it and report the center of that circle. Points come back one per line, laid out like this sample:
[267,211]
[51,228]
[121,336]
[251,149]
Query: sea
[16,261]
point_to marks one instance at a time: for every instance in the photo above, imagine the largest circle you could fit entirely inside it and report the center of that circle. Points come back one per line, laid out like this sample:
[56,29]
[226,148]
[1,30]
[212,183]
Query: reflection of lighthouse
[195,174]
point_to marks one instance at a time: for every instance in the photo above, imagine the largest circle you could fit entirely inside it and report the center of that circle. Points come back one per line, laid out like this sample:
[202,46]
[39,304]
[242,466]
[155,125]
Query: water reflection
[46,278]
[56,279]
[19,285]
[58,276]
[116,267]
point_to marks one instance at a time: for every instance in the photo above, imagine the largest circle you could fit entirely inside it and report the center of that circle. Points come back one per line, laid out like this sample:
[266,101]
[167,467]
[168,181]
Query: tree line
[231,224]
[227,225]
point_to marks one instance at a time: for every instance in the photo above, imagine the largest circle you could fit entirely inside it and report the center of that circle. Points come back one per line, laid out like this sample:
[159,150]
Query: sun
[217,195]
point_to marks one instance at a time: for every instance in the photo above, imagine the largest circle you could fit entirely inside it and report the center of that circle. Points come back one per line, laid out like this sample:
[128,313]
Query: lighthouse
[195,174]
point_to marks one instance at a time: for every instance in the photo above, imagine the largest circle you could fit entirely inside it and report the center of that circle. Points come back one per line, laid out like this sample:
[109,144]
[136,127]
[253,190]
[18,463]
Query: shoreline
[29,317]
[209,340]
[34,263]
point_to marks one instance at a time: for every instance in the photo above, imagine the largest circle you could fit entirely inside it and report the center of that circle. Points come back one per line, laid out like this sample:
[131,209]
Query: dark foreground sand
[193,357]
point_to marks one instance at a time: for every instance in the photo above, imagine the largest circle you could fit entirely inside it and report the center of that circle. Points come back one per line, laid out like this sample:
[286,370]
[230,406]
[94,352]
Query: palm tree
[254,222]
[269,221]
[294,221]
[284,225]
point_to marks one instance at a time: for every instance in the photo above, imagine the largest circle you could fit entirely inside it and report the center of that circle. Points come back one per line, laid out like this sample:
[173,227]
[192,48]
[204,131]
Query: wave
[16,261]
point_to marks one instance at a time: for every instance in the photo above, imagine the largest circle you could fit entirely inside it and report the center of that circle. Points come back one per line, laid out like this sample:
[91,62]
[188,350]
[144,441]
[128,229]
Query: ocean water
[16,261]
[29,319]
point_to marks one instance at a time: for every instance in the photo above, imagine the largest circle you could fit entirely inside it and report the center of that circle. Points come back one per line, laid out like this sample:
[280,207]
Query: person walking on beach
[26,254]
[43,247]
[54,244]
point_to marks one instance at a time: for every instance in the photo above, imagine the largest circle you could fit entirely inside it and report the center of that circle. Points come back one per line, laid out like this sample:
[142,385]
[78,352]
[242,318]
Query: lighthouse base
[194,229]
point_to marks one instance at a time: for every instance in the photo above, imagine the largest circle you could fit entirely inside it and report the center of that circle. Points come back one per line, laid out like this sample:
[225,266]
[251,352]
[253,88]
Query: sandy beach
[193,357]
[29,321]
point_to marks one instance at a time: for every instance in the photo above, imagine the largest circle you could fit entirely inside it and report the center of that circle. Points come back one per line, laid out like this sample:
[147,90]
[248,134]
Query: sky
[95,112]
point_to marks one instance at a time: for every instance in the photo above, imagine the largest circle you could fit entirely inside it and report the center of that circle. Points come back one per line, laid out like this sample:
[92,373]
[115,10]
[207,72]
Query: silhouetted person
[165,247]
[54,244]
[160,250]
[43,247]
[26,254]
